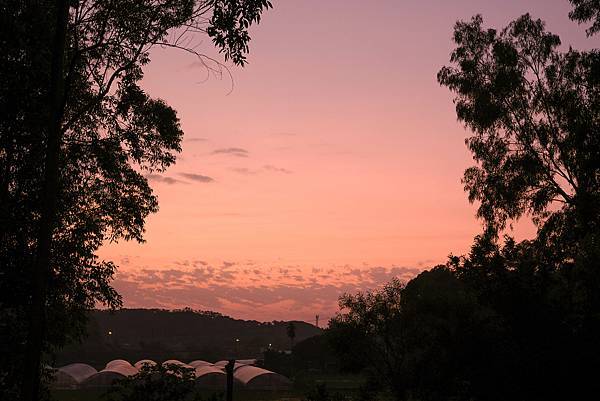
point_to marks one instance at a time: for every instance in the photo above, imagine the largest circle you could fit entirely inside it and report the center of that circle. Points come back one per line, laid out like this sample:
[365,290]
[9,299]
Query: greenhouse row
[207,375]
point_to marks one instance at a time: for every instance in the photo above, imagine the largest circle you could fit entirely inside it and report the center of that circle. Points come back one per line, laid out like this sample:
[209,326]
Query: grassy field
[98,395]
[345,384]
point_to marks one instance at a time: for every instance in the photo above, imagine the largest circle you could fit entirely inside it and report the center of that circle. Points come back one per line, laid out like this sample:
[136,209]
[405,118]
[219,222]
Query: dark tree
[548,316]
[367,335]
[168,382]
[534,113]
[447,334]
[535,116]
[77,138]
[421,341]
[291,333]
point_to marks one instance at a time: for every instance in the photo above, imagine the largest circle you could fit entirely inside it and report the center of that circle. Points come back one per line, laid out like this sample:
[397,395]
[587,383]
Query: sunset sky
[332,165]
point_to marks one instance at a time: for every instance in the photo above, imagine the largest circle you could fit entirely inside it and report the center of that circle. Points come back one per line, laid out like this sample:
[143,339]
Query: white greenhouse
[109,375]
[210,377]
[198,362]
[138,365]
[254,378]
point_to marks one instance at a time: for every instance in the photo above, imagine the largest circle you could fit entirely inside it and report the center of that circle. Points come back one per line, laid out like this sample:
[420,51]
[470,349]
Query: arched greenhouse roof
[222,364]
[78,371]
[176,362]
[205,370]
[198,362]
[260,379]
[138,365]
[210,377]
[117,362]
[108,376]
[63,380]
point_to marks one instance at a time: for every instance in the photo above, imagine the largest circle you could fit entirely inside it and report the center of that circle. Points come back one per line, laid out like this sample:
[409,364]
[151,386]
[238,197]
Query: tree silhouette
[534,113]
[76,145]
[291,333]
[367,334]
[157,382]
[509,320]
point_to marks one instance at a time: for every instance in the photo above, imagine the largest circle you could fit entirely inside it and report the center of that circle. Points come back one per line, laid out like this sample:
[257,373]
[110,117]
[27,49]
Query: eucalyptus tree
[78,136]
[533,111]
[534,114]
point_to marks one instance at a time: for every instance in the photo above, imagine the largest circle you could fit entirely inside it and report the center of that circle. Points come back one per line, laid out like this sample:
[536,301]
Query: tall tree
[84,143]
[49,196]
[534,112]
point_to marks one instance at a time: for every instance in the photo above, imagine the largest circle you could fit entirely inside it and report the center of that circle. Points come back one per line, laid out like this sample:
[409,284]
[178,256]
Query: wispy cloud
[266,167]
[163,179]
[196,139]
[244,170]
[239,152]
[197,177]
[270,167]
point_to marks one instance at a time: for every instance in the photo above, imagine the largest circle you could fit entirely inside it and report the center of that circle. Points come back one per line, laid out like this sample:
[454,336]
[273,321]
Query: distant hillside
[135,334]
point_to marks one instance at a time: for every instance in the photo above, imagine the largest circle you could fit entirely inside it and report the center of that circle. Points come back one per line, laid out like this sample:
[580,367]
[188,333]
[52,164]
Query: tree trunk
[41,270]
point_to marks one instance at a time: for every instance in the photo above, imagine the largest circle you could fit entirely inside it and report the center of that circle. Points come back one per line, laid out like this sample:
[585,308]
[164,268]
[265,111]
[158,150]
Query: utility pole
[317,321]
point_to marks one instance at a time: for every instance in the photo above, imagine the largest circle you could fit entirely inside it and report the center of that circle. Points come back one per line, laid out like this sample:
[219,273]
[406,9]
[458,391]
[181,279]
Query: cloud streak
[244,171]
[163,179]
[272,168]
[197,177]
[238,152]
[266,167]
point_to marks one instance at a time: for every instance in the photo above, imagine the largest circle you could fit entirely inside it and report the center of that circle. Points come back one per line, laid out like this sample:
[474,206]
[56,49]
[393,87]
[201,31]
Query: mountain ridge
[184,334]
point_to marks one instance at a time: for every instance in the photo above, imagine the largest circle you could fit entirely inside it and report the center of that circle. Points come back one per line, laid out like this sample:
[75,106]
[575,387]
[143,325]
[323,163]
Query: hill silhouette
[185,334]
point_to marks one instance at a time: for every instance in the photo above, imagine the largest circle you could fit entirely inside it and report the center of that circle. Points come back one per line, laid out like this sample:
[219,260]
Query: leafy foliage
[169,382]
[408,338]
[586,11]
[548,311]
[229,26]
[368,334]
[534,115]
[509,320]
[112,134]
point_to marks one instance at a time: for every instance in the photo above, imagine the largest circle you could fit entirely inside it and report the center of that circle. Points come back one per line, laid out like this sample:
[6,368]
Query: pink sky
[335,161]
